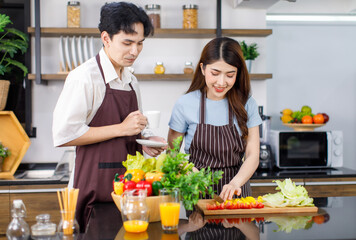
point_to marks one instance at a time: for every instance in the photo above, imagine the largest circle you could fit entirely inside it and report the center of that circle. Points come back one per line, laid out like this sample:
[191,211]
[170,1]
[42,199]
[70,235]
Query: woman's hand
[155,151]
[229,190]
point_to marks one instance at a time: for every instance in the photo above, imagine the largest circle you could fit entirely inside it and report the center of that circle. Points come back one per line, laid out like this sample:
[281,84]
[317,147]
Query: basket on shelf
[4,90]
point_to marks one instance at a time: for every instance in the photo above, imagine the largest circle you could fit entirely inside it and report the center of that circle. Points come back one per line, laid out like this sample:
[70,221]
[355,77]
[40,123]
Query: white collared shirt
[82,95]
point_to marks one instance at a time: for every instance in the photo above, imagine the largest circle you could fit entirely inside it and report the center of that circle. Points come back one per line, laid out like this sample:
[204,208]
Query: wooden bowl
[302,126]
[152,204]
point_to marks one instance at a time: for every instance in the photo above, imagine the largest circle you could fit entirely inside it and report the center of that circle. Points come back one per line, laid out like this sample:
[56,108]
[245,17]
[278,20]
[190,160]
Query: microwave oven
[312,149]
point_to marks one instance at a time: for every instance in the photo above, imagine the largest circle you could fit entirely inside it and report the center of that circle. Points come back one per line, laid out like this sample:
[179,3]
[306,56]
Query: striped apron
[220,148]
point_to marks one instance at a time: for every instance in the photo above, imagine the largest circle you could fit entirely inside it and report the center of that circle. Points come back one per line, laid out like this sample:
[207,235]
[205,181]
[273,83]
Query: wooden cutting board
[202,206]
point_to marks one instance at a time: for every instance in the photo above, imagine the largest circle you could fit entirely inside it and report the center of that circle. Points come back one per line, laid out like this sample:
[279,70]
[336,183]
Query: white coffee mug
[153,118]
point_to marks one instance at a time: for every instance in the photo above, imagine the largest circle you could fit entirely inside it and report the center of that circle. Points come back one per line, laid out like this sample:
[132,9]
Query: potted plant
[250,53]
[4,153]
[12,42]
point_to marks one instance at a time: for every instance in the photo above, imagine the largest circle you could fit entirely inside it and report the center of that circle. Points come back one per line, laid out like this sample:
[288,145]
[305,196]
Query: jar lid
[190,6]
[188,63]
[159,63]
[73,3]
[152,7]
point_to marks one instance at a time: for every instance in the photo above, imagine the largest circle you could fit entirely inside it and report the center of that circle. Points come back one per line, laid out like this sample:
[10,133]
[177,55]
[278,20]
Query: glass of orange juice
[169,207]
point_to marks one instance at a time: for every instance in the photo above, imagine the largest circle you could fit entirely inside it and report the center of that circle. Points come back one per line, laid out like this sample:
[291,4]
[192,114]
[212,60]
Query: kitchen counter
[305,173]
[334,220]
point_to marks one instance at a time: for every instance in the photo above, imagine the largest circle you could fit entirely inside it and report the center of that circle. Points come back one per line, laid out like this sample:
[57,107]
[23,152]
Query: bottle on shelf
[188,68]
[73,14]
[159,68]
[18,228]
[154,13]
[190,16]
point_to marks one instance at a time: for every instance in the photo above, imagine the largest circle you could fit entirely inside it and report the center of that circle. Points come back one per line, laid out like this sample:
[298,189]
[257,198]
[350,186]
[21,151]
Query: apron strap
[202,110]
[102,72]
[202,107]
[100,68]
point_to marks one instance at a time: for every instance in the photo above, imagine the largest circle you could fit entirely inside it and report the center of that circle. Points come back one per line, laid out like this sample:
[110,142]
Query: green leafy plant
[4,152]
[15,42]
[178,173]
[249,51]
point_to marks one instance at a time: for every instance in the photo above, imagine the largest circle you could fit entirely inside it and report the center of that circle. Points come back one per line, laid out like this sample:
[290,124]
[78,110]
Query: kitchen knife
[218,198]
[215,196]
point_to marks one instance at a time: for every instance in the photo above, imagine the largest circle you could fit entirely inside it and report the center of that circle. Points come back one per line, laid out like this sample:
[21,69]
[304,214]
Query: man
[98,109]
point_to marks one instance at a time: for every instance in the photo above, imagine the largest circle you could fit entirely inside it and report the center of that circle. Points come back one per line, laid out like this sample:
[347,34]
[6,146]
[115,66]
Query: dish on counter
[150,143]
[302,126]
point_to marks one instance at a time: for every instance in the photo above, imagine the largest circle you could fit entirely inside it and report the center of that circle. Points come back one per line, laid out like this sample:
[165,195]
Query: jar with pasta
[73,14]
[190,16]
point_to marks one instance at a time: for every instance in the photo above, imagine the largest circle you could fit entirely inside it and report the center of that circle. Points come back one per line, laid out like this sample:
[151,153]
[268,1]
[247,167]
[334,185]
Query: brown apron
[96,164]
[220,148]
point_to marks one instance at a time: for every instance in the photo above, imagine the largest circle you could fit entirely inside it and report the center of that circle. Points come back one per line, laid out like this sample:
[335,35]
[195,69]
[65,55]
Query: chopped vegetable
[289,196]
[178,173]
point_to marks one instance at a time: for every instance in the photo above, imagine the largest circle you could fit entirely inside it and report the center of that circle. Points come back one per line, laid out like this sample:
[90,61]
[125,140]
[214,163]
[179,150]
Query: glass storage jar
[73,14]
[154,13]
[190,16]
[44,228]
[159,68]
[188,68]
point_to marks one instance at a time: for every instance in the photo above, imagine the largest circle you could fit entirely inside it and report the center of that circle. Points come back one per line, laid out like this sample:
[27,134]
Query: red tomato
[318,219]
[260,205]
[253,204]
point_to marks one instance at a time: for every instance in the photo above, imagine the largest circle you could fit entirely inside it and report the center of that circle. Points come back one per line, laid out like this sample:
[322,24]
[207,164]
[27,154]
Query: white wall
[173,52]
[315,65]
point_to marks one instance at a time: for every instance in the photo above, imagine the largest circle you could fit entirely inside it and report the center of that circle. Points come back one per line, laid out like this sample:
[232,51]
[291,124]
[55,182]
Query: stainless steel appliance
[313,149]
[265,126]
[266,158]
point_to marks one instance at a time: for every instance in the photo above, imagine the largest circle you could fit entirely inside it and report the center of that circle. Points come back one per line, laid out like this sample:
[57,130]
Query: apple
[326,117]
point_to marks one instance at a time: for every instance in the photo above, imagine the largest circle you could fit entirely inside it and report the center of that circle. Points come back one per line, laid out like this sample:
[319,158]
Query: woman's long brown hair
[229,51]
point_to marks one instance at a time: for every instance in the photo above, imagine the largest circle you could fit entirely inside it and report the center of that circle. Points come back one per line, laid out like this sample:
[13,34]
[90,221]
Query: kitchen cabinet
[4,208]
[38,199]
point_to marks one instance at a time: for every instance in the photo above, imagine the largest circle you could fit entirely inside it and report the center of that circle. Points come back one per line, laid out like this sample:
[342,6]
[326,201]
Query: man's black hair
[120,16]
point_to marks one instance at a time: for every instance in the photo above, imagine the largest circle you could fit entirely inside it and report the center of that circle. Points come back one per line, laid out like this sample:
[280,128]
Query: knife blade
[215,196]
[218,198]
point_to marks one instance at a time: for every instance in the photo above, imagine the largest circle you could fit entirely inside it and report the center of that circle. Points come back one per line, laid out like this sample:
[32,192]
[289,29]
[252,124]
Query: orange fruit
[319,219]
[307,119]
[318,118]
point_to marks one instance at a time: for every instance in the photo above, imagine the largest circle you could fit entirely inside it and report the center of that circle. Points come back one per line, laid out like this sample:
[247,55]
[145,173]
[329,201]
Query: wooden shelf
[149,77]
[159,33]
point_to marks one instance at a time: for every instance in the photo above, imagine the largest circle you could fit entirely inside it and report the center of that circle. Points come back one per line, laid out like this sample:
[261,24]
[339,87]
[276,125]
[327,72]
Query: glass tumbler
[169,208]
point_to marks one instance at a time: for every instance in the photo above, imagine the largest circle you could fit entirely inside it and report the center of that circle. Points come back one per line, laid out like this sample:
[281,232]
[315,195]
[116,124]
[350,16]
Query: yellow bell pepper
[118,188]
[153,176]
[137,175]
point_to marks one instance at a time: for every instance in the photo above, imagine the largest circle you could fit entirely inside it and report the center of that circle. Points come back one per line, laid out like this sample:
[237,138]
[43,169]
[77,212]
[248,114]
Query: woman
[219,119]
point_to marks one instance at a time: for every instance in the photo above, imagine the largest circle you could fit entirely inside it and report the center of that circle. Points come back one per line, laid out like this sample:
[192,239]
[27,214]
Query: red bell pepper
[143,184]
[129,185]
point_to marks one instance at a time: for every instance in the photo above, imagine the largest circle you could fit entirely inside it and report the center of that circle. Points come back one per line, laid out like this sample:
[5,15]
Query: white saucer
[150,143]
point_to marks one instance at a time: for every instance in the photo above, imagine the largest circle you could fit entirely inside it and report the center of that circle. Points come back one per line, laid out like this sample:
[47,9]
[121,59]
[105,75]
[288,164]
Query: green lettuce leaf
[287,224]
[290,195]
